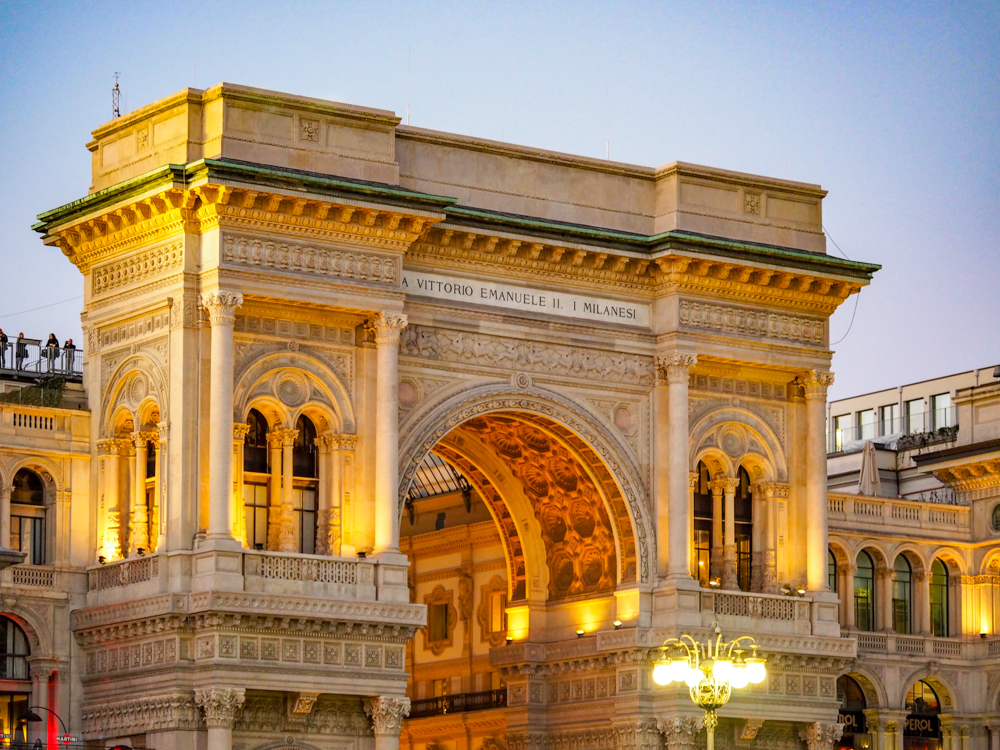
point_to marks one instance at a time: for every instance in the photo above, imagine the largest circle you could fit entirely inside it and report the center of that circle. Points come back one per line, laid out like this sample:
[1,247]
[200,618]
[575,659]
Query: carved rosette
[386,328]
[814,384]
[387,713]
[675,367]
[819,736]
[221,705]
[221,306]
[680,733]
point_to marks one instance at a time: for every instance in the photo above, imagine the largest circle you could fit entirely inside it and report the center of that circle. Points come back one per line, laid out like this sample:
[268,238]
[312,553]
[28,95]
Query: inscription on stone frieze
[525,299]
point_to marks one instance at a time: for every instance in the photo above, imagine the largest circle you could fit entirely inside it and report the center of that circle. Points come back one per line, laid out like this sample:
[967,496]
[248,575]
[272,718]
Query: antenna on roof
[409,56]
[116,98]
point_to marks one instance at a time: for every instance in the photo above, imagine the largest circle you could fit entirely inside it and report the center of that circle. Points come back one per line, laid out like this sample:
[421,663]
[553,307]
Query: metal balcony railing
[30,357]
[458,703]
[851,437]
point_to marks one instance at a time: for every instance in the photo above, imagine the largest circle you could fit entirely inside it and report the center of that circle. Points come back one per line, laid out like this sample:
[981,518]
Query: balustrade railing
[33,575]
[300,568]
[852,509]
[458,703]
[124,573]
[760,606]
[915,645]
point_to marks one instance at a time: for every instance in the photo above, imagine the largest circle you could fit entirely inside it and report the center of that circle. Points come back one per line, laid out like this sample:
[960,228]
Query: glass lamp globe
[722,670]
[756,672]
[693,677]
[679,668]
[739,677]
[663,673]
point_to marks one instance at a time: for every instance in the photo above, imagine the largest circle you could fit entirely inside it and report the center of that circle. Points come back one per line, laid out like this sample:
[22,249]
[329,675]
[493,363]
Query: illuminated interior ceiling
[569,505]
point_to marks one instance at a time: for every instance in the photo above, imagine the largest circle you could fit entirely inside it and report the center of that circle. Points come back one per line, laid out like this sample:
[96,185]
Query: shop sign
[853,721]
[922,726]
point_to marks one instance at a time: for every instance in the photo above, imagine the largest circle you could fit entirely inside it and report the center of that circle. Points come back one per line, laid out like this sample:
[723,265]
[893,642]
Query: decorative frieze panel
[746,322]
[136,267]
[123,333]
[133,656]
[554,360]
[302,330]
[299,651]
[739,386]
[329,716]
[585,689]
[148,714]
[318,261]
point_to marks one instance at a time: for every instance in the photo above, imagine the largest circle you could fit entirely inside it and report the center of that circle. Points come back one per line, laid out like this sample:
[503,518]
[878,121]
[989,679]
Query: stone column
[40,674]
[883,597]
[924,581]
[758,535]
[692,486]
[240,432]
[287,541]
[162,430]
[994,736]
[387,328]
[325,445]
[676,367]
[221,307]
[222,706]
[847,596]
[772,492]
[139,516]
[344,502]
[130,491]
[680,733]
[727,486]
[274,491]
[387,716]
[818,736]
[5,512]
[715,570]
[111,544]
[814,385]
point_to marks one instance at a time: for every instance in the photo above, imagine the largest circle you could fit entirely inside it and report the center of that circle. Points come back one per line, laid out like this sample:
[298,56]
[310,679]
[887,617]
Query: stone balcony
[881,516]
[921,646]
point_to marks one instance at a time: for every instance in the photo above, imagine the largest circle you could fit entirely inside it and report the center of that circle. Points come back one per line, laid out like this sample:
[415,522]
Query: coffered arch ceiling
[565,526]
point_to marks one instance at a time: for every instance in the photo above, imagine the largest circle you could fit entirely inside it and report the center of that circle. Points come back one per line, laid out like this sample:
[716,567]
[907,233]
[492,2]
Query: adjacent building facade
[386,420]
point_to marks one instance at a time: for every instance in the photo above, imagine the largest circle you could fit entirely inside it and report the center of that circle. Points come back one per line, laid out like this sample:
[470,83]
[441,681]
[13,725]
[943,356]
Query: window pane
[915,416]
[889,419]
[941,413]
[864,593]
[866,424]
[437,622]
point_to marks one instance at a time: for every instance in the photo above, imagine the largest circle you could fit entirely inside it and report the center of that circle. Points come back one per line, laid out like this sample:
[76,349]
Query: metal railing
[30,357]
[850,438]
[458,703]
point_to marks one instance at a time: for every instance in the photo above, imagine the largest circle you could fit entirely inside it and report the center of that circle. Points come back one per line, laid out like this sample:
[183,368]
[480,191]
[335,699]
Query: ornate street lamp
[710,670]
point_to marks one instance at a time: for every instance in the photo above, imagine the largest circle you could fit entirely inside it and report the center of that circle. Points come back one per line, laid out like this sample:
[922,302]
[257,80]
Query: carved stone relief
[309,259]
[746,322]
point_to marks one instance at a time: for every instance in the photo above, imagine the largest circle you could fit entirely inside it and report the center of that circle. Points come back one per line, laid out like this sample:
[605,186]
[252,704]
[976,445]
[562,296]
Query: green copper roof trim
[303,180]
[110,195]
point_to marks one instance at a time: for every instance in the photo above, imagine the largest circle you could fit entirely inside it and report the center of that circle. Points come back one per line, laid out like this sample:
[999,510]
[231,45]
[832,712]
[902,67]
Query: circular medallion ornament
[408,393]
[623,419]
[291,388]
[521,380]
[733,440]
[137,389]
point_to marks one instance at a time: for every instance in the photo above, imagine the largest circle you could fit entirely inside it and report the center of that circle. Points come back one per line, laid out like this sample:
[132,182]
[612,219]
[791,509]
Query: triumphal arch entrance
[315,338]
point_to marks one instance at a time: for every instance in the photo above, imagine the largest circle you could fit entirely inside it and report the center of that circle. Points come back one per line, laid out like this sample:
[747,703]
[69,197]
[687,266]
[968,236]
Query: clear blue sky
[894,108]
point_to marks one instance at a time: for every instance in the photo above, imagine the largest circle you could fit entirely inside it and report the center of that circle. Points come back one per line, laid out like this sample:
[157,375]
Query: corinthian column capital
[814,383]
[387,713]
[386,327]
[724,484]
[222,705]
[674,367]
[221,306]
[681,732]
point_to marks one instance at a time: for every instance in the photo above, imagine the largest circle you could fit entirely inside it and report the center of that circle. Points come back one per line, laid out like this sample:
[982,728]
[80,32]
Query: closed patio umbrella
[869,482]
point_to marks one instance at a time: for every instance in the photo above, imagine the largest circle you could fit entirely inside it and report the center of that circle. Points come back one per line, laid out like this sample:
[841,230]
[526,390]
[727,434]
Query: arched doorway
[852,713]
[510,520]
[923,729]
[15,679]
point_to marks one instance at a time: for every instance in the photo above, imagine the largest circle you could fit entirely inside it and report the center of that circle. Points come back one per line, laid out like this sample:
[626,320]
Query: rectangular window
[498,612]
[703,550]
[866,424]
[915,416]
[440,688]
[27,534]
[304,501]
[437,622]
[888,417]
[255,513]
[941,411]
[842,431]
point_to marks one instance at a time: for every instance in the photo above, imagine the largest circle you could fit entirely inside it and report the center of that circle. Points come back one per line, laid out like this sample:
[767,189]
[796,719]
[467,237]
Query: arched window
[939,599]
[703,525]
[831,570]
[852,716]
[902,595]
[922,730]
[304,467]
[14,651]
[27,516]
[255,480]
[922,700]
[743,514]
[864,592]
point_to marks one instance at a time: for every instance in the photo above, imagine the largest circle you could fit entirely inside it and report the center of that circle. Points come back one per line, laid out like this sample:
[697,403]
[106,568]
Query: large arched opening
[514,525]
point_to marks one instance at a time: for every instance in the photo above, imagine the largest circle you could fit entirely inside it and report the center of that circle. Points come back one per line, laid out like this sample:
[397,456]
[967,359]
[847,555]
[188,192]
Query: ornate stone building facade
[299,312]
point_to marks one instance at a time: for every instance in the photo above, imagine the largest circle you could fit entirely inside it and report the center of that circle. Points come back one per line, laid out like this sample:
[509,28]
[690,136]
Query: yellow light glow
[517,622]
[662,674]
